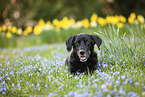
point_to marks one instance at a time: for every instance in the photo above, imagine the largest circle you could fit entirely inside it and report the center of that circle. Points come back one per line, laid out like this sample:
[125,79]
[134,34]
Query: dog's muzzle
[83,55]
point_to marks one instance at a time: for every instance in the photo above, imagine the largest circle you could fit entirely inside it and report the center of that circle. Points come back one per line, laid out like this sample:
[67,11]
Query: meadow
[30,67]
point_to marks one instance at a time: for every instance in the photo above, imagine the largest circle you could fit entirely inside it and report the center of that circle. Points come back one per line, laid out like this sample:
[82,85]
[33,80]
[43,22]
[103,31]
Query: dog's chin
[83,58]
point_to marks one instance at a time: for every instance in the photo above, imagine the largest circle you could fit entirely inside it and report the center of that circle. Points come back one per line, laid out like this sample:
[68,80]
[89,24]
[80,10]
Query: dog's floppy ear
[97,40]
[69,42]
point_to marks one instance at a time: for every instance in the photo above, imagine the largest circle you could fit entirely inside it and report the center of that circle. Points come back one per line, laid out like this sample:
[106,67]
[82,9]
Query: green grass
[40,70]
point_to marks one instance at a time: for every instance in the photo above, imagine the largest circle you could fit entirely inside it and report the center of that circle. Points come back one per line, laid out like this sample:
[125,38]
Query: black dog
[83,58]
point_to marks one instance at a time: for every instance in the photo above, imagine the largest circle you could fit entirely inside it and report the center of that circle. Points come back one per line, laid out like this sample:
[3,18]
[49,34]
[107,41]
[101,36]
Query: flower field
[65,23]
[40,71]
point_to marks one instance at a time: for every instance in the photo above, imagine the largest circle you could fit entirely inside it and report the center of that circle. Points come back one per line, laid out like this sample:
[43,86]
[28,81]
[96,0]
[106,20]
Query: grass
[40,70]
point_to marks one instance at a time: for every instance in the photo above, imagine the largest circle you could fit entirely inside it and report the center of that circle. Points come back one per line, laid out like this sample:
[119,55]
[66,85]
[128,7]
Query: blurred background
[24,13]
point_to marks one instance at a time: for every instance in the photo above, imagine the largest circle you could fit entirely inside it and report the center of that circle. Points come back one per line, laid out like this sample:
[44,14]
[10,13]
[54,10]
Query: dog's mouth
[83,58]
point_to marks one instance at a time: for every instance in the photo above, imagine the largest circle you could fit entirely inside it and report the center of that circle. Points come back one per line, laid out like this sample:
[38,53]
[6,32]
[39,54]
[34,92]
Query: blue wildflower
[103,86]
[121,91]
[136,83]
[130,81]
[70,93]
[117,82]
[18,85]
[143,89]
[4,93]
[105,90]
[37,85]
[123,77]
[50,94]
[27,83]
[114,91]
[1,89]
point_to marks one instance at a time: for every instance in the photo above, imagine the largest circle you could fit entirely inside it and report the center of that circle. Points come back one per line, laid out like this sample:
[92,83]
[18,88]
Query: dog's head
[83,44]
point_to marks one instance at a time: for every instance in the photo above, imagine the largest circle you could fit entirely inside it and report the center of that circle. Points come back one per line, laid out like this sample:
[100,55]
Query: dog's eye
[88,43]
[77,44]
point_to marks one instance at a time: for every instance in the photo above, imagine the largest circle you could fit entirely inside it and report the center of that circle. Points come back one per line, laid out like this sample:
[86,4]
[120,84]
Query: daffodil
[25,33]
[9,29]
[29,29]
[133,15]
[65,23]
[85,23]
[4,28]
[55,22]
[36,30]
[120,25]
[122,19]
[94,17]
[112,19]
[102,21]
[41,23]
[131,18]
[0,29]
[140,18]
[48,25]
[8,35]
[14,29]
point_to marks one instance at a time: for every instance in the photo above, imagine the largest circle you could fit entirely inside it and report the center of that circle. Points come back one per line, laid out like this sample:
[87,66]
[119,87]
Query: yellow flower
[120,25]
[102,21]
[0,29]
[9,28]
[4,28]
[132,15]
[55,22]
[14,29]
[122,19]
[8,35]
[94,17]
[48,22]
[112,19]
[131,20]
[64,23]
[85,23]
[29,29]
[25,32]
[36,30]
[41,23]
[140,18]
[72,21]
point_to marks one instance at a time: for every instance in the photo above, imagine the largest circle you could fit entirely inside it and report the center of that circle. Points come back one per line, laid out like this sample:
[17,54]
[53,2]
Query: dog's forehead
[83,37]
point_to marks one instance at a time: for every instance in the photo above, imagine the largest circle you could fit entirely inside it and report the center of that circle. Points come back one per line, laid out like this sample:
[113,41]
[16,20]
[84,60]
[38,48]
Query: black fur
[83,58]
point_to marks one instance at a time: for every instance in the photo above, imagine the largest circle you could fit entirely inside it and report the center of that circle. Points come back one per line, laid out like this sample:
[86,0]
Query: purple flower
[130,81]
[121,91]
[37,85]
[27,83]
[117,82]
[103,86]
[105,90]
[123,77]
[1,89]
[70,93]
[18,85]
[136,83]
[4,93]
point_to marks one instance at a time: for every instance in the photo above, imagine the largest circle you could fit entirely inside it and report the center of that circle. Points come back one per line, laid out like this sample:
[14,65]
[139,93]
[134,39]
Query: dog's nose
[82,52]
